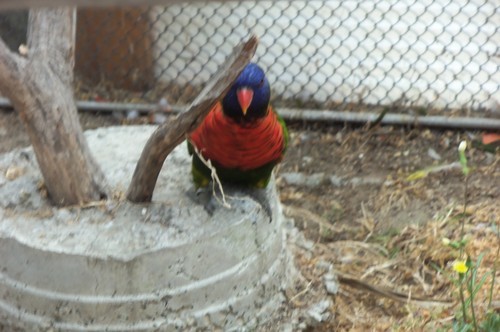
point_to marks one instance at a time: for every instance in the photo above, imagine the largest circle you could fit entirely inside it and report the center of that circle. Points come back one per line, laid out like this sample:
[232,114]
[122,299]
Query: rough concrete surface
[116,266]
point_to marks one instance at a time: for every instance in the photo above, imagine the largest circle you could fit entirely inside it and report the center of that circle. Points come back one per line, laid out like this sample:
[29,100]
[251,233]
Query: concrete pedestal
[168,265]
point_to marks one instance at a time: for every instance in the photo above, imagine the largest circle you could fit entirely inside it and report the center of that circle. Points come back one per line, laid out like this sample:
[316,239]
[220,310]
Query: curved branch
[172,133]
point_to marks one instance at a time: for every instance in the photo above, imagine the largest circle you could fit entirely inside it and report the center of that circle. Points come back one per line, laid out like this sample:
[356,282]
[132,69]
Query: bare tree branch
[389,293]
[172,133]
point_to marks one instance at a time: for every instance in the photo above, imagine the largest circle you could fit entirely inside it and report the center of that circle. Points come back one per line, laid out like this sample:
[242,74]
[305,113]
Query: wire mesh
[439,54]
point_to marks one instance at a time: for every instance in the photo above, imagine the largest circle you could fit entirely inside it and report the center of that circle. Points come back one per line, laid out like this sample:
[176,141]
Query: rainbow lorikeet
[242,136]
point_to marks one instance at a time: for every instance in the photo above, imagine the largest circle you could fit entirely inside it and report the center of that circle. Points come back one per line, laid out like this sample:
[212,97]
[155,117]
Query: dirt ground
[376,205]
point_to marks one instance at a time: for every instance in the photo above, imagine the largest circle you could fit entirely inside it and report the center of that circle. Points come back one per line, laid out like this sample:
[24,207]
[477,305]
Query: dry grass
[404,281]
[400,279]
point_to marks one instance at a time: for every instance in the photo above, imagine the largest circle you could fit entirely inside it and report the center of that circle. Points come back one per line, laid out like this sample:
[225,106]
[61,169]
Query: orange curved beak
[245,96]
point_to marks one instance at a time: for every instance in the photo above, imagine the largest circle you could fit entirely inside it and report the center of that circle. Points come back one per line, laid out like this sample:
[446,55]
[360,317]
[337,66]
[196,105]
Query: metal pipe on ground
[315,116]
[391,119]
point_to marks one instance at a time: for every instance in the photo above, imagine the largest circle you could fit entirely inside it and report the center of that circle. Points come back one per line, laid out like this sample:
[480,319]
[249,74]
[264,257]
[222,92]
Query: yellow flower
[460,267]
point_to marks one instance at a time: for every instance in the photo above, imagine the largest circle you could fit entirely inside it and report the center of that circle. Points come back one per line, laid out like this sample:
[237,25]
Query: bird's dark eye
[261,83]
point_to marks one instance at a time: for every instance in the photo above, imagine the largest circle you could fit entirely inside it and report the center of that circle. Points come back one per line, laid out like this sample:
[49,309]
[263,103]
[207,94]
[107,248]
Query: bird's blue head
[248,98]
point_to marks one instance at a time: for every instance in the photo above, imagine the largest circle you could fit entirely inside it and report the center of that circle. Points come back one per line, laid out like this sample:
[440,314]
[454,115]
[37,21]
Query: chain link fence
[421,54]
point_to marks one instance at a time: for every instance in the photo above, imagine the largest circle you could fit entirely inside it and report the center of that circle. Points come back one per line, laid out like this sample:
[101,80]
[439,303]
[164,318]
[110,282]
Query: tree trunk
[40,89]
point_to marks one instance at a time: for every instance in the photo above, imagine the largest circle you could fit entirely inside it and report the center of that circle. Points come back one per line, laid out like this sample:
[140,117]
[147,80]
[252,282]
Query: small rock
[301,326]
[293,178]
[304,137]
[489,158]
[332,287]
[368,180]
[306,244]
[13,172]
[347,259]
[319,311]
[355,181]
[373,180]
[315,180]
[164,105]
[302,242]
[389,183]
[306,160]
[331,283]
[157,118]
[133,114]
[324,265]
[301,179]
[433,154]
[23,50]
[338,137]
[287,327]
[336,181]
[445,142]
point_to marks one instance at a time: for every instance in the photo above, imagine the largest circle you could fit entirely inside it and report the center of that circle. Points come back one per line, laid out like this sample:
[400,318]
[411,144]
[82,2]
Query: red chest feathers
[233,146]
